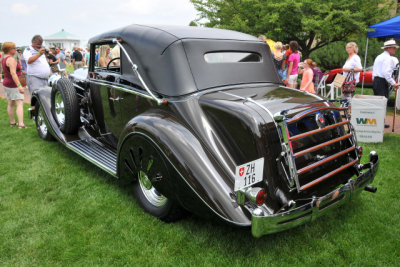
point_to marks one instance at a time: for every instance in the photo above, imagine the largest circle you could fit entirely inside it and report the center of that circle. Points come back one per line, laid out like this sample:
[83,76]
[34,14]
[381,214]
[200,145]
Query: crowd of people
[31,69]
[287,61]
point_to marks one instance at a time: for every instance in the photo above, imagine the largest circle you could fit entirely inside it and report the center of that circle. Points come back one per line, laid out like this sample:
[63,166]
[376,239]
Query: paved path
[389,119]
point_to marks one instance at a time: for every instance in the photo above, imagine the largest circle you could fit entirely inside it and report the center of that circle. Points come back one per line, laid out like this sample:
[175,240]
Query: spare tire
[64,106]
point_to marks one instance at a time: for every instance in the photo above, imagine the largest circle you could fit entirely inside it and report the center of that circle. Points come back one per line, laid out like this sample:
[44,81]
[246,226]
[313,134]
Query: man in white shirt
[38,70]
[383,69]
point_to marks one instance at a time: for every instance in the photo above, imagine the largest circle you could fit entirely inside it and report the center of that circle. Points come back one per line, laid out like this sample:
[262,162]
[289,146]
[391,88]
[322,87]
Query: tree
[312,23]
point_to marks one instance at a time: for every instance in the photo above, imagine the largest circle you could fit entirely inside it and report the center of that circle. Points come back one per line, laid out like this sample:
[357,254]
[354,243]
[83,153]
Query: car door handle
[115,99]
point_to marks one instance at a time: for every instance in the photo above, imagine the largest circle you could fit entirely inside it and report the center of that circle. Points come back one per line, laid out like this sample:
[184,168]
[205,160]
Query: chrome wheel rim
[150,193]
[59,108]
[41,123]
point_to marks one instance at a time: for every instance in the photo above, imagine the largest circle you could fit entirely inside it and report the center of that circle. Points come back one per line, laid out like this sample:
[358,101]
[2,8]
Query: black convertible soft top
[172,59]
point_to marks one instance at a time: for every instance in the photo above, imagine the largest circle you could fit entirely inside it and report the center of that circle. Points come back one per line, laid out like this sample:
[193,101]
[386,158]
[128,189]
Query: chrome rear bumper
[266,224]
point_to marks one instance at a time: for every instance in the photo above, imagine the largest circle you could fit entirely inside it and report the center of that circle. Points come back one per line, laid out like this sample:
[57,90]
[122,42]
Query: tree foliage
[312,23]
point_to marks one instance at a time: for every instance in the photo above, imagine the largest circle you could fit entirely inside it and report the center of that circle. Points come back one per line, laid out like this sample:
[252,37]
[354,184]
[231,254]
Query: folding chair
[320,88]
[335,86]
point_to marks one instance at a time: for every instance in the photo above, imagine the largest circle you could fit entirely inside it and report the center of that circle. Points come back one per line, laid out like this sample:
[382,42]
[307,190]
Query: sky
[20,20]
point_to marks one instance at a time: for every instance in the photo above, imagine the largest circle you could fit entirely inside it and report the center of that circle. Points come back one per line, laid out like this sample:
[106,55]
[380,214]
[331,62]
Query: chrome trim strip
[293,179]
[131,91]
[135,70]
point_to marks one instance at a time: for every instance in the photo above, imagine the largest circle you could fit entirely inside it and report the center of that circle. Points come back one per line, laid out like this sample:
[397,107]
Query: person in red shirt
[12,85]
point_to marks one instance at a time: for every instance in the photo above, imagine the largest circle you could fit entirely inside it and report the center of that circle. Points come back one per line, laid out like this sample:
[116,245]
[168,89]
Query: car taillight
[261,197]
[257,195]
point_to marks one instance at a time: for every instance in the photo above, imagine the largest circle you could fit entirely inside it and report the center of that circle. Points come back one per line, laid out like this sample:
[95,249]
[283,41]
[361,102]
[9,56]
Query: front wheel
[41,125]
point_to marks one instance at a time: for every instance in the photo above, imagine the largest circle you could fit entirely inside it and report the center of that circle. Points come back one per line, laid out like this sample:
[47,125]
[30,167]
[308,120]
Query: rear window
[231,57]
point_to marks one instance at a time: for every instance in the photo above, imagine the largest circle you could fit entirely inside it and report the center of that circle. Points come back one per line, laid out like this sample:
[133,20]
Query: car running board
[96,153]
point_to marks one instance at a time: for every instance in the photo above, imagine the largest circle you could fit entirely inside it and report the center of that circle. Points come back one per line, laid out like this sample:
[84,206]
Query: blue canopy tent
[387,28]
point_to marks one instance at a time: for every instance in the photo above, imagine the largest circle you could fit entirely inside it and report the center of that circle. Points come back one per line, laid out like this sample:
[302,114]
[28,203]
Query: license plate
[249,173]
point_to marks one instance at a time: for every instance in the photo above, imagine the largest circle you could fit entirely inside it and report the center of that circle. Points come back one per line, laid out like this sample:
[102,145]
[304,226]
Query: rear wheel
[148,165]
[41,125]
[64,106]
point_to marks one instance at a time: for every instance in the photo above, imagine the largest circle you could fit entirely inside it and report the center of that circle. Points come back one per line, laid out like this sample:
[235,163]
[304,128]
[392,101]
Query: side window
[107,55]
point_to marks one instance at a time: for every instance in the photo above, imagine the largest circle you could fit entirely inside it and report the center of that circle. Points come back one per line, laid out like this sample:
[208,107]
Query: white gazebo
[62,39]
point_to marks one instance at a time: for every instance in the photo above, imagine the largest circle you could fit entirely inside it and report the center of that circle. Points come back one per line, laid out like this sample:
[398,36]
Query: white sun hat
[390,43]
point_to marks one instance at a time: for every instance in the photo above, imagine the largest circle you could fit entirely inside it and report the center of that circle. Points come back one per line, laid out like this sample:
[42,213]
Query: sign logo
[241,171]
[366,121]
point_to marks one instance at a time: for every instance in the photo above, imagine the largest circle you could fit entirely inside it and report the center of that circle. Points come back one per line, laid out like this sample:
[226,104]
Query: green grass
[58,209]
[69,68]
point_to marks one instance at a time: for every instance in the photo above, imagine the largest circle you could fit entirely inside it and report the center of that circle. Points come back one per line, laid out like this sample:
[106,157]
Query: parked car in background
[197,119]
[367,74]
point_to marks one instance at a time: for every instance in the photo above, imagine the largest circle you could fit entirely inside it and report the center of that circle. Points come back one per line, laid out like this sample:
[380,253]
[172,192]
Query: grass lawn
[58,209]
[69,68]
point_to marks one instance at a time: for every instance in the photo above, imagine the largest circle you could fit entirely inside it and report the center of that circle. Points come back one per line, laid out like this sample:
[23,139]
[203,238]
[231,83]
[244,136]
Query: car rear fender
[195,176]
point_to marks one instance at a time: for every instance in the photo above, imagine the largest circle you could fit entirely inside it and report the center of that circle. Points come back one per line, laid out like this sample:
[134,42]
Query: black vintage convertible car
[196,119]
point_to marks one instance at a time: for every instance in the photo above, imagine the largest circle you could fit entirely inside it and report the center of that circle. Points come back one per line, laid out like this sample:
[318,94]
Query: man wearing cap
[383,69]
